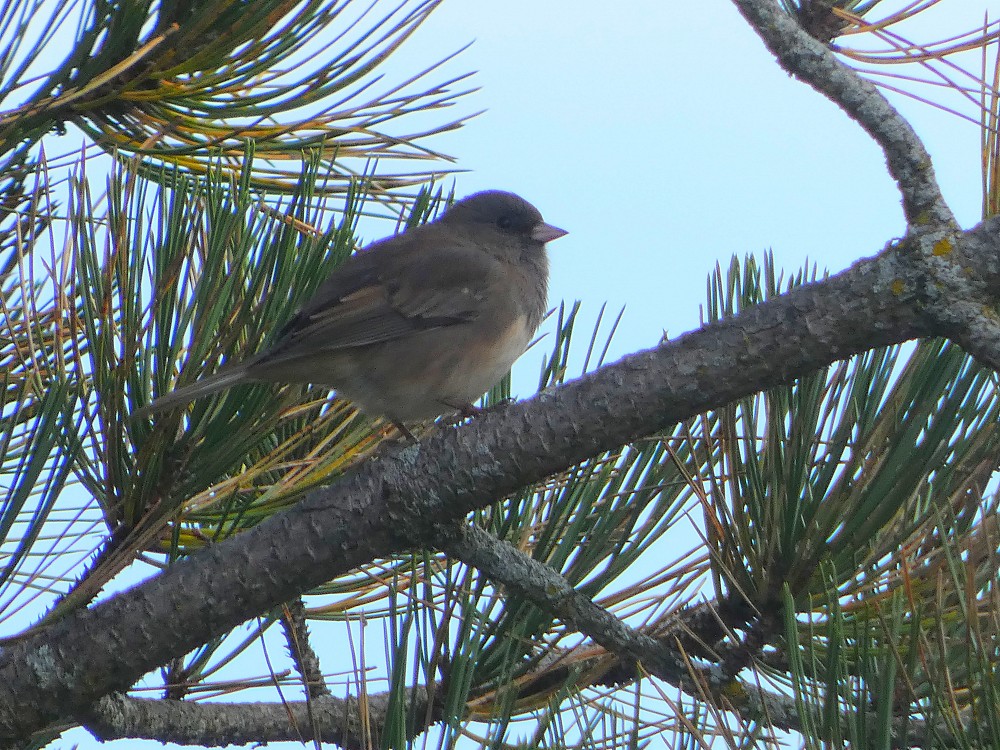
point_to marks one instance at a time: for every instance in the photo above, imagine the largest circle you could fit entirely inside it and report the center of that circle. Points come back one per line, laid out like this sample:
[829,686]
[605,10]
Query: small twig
[543,586]
[293,622]
[811,61]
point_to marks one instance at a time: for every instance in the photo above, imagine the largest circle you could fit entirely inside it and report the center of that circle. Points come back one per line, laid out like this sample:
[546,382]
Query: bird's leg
[470,411]
[462,412]
[401,428]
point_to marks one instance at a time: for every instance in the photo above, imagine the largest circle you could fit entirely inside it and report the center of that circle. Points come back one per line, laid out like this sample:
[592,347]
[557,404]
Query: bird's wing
[374,298]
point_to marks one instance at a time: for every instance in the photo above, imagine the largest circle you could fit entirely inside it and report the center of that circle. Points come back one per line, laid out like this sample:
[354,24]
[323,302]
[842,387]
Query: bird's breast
[484,359]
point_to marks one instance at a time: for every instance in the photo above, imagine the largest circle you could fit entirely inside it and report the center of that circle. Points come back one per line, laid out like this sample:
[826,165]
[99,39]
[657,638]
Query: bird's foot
[468,411]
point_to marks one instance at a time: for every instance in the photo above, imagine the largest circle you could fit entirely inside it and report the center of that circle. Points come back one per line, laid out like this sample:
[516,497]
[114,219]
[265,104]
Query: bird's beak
[543,232]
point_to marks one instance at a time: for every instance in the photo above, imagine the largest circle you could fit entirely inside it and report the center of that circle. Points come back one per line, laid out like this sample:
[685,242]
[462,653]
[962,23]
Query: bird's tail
[226,378]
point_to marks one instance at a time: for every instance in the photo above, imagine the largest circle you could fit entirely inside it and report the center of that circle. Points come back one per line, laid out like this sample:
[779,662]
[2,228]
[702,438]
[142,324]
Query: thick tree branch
[879,301]
[810,60]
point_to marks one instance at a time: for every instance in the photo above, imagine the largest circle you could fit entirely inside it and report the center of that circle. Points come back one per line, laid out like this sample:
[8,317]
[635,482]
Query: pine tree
[523,569]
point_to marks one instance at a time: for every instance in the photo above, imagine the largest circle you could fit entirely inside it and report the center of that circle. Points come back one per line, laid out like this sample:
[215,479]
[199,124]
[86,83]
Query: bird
[416,325]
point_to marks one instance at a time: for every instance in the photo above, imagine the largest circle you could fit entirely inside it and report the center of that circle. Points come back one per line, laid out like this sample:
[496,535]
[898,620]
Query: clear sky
[665,138]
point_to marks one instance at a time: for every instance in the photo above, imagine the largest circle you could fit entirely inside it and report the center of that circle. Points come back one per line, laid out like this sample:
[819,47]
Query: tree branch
[545,587]
[933,282]
[342,722]
[334,720]
[811,61]
[306,660]
[383,505]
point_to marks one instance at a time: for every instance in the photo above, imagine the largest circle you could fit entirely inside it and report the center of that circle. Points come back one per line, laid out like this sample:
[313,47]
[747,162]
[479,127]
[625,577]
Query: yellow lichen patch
[898,286]
[942,247]
[735,691]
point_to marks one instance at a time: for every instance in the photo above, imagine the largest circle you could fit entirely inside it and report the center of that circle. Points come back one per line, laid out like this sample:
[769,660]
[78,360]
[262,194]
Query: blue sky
[664,137]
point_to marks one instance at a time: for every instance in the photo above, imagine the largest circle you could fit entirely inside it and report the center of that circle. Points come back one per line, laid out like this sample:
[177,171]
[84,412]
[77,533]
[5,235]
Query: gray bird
[416,325]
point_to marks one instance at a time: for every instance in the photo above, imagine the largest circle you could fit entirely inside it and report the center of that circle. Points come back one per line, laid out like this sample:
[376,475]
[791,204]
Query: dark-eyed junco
[416,325]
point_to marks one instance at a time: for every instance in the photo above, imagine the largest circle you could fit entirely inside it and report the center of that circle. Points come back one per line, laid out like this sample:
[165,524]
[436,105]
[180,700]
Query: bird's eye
[505,222]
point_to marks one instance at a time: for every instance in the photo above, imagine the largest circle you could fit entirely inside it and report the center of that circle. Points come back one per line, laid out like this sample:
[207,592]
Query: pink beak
[543,232]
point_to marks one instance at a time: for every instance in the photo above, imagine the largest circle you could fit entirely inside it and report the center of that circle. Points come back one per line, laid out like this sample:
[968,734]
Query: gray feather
[226,378]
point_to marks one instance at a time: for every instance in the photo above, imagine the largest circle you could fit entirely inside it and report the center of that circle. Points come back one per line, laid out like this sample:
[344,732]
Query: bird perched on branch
[416,325]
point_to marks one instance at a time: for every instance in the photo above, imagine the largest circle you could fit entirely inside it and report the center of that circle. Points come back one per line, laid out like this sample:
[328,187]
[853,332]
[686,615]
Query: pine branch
[329,719]
[296,629]
[937,281]
[812,61]
[393,503]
